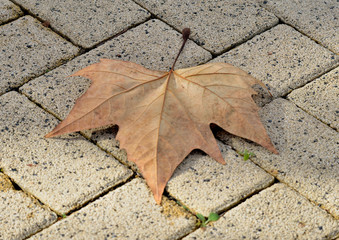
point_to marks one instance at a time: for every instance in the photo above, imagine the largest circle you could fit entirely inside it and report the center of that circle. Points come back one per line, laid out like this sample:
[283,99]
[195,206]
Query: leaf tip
[158,198]
[48,135]
[272,149]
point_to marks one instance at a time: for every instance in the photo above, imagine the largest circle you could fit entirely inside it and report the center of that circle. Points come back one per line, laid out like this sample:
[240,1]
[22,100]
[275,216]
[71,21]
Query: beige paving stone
[153,45]
[308,153]
[275,213]
[204,185]
[128,212]
[87,23]
[317,19]
[282,58]
[27,50]
[21,215]
[216,25]
[63,173]
[320,98]
[9,11]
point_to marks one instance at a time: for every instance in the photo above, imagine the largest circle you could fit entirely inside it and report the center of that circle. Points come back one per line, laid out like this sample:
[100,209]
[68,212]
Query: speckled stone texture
[152,44]
[275,213]
[128,212]
[63,173]
[204,185]
[282,58]
[308,153]
[87,23]
[27,50]
[216,25]
[21,215]
[315,18]
[9,11]
[320,98]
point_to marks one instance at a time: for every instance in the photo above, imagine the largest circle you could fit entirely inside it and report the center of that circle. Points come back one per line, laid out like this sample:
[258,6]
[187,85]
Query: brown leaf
[163,116]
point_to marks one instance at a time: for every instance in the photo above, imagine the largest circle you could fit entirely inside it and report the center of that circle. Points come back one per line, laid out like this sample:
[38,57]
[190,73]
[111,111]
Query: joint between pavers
[309,113]
[36,103]
[314,78]
[237,44]
[116,35]
[234,205]
[315,204]
[30,13]
[306,35]
[95,198]
[10,21]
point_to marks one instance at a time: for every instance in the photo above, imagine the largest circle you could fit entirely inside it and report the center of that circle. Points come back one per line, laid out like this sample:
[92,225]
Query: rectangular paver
[320,98]
[317,19]
[27,50]
[152,44]
[275,213]
[63,173]
[204,185]
[128,212]
[215,24]
[9,11]
[282,58]
[308,153]
[20,214]
[87,23]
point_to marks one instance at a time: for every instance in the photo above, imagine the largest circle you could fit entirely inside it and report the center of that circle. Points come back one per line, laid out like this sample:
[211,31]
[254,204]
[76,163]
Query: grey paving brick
[87,23]
[152,44]
[9,11]
[308,156]
[27,50]
[128,212]
[317,19]
[320,98]
[275,213]
[215,24]
[282,58]
[204,185]
[63,173]
[22,215]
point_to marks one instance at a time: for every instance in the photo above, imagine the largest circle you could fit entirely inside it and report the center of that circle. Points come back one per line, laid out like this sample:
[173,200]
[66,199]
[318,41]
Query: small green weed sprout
[211,218]
[247,155]
[183,206]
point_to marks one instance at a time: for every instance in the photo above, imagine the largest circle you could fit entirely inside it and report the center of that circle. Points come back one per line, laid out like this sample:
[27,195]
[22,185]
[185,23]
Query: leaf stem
[185,34]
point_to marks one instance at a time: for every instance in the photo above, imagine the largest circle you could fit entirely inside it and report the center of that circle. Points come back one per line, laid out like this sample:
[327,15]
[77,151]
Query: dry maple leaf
[163,116]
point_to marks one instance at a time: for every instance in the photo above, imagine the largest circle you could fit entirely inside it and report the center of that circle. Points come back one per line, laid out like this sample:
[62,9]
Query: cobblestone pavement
[82,186]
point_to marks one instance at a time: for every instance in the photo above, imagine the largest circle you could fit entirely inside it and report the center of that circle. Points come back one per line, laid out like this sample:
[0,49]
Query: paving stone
[153,45]
[282,58]
[204,185]
[317,19]
[320,98]
[9,11]
[27,50]
[62,173]
[87,23]
[128,212]
[308,156]
[215,24]
[22,215]
[275,213]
